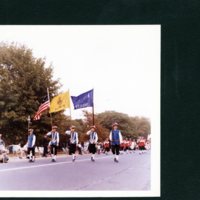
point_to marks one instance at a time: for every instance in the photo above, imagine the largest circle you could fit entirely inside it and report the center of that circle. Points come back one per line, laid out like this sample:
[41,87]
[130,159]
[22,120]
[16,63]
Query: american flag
[42,108]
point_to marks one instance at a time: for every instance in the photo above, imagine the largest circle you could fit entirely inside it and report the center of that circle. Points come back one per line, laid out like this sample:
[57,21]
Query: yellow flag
[60,102]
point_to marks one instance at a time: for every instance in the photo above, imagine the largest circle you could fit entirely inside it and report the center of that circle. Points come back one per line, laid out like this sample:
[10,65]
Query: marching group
[115,142]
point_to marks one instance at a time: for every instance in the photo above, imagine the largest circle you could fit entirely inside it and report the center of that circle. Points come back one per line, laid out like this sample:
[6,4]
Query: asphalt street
[131,173]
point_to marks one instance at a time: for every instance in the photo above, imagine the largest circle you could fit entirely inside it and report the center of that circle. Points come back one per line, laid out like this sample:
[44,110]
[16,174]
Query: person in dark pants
[92,141]
[31,145]
[116,139]
[45,143]
[73,141]
[54,142]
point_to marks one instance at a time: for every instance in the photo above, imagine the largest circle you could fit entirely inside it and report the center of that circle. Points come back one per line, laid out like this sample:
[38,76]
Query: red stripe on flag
[42,108]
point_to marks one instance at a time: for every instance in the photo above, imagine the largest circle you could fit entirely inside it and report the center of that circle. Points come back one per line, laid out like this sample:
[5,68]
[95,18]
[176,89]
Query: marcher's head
[72,128]
[54,128]
[115,126]
[30,130]
[93,128]
[0,135]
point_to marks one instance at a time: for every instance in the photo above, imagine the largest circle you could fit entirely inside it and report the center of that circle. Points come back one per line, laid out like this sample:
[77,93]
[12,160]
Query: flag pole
[70,113]
[93,114]
[93,109]
[49,102]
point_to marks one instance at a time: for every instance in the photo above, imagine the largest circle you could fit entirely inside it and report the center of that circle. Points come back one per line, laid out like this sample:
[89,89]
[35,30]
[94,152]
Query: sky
[121,63]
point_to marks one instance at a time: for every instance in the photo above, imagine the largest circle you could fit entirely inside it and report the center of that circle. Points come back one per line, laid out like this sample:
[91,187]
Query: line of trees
[24,80]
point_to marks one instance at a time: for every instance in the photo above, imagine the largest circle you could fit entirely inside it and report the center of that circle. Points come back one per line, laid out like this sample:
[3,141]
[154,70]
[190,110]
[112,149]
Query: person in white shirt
[73,141]
[54,143]
[31,145]
[92,141]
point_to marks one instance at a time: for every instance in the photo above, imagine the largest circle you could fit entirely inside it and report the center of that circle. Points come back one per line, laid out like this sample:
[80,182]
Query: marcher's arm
[110,136]
[34,139]
[58,139]
[76,138]
[88,133]
[96,138]
[48,134]
[120,137]
[67,132]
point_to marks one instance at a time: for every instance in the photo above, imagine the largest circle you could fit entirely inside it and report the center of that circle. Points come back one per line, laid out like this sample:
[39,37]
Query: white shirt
[93,137]
[74,136]
[55,138]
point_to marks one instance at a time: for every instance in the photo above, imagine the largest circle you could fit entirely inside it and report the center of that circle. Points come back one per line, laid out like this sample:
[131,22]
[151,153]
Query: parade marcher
[54,142]
[106,146]
[31,145]
[92,141]
[3,152]
[73,141]
[116,139]
[45,143]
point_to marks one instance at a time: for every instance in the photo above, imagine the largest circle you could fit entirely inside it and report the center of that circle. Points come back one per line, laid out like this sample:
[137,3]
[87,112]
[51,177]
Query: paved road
[131,173]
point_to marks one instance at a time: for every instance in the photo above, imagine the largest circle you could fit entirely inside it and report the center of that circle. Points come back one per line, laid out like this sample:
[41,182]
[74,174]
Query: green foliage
[23,85]
[131,127]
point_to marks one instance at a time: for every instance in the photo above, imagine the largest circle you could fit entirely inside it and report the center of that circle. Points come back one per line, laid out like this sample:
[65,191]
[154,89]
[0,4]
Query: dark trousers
[31,149]
[92,148]
[115,149]
[72,149]
[45,152]
[53,149]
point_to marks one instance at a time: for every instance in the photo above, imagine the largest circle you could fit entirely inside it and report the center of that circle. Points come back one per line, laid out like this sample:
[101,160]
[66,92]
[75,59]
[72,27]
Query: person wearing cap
[92,141]
[73,141]
[54,135]
[31,145]
[116,139]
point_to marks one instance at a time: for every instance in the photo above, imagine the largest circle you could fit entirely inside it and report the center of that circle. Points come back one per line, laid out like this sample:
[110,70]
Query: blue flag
[83,100]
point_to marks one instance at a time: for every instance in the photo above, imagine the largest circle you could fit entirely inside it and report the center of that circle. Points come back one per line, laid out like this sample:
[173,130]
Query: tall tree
[23,85]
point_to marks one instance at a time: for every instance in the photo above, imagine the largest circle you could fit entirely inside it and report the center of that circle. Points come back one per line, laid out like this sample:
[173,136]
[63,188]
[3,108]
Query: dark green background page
[180,56]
